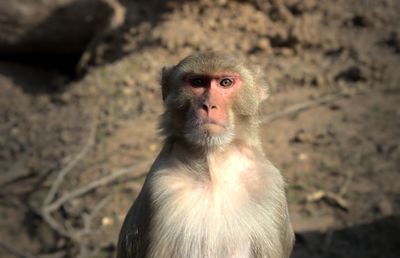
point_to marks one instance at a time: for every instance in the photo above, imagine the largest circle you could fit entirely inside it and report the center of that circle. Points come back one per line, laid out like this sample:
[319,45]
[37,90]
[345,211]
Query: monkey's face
[209,118]
[210,99]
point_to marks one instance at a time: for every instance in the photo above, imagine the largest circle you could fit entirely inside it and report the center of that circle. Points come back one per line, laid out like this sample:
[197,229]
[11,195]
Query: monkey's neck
[201,160]
[197,151]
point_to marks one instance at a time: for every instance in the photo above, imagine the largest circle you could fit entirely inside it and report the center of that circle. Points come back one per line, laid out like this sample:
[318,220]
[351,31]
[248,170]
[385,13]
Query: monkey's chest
[221,198]
[215,199]
[203,218]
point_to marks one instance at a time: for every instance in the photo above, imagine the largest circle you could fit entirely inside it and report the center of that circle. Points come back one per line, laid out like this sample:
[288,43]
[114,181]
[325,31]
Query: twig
[346,183]
[44,212]
[57,227]
[56,185]
[11,199]
[16,172]
[14,251]
[93,185]
[329,197]
[89,217]
[306,105]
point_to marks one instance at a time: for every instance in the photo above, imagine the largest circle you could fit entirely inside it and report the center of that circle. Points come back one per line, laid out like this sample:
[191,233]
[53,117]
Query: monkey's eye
[226,82]
[197,82]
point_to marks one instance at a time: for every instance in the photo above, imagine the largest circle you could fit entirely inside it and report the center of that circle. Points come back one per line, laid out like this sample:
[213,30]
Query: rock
[351,74]
[63,27]
[393,41]
[318,80]
[301,136]
[384,207]
[360,21]
[107,221]
[264,44]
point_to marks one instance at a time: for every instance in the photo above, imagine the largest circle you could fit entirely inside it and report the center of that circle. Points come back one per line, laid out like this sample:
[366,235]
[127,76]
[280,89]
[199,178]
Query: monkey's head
[211,99]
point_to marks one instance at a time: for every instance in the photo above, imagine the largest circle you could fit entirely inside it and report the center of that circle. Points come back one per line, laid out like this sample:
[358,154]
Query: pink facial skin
[214,93]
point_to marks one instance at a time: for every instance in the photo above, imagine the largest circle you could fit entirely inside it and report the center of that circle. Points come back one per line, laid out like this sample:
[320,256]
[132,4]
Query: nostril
[204,107]
[213,107]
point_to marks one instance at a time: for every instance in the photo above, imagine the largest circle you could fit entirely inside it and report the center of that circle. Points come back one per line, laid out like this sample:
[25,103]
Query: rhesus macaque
[211,192]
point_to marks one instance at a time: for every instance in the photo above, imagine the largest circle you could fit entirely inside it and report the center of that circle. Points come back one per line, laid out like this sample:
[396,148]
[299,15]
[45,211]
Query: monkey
[211,192]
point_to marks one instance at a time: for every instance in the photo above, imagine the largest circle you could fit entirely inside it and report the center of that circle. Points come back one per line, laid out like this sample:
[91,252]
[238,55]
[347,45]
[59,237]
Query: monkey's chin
[209,135]
[214,129]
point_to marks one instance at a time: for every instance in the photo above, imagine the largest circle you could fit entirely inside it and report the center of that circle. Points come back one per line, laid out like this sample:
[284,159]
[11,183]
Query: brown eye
[197,82]
[226,82]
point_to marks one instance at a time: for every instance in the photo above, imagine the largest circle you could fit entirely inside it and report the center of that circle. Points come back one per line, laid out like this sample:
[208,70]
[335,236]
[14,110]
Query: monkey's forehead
[209,62]
[212,75]
[212,56]
[208,67]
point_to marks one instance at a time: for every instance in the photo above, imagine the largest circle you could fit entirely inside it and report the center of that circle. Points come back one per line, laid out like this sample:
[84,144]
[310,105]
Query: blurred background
[80,100]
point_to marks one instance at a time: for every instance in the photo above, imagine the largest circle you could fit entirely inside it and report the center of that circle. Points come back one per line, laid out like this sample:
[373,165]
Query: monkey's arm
[133,238]
[276,222]
[287,236]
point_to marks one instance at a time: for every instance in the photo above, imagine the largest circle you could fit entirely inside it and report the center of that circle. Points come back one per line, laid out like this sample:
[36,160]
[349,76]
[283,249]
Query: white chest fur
[205,218]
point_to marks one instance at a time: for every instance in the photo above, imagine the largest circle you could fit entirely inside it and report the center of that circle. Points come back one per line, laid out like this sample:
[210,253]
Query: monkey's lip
[214,127]
[213,123]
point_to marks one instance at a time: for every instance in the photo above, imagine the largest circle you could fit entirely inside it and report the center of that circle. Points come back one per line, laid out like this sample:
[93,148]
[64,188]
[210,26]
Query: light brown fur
[203,199]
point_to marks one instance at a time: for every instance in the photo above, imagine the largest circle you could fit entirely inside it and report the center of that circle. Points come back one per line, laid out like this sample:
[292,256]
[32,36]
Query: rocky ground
[74,151]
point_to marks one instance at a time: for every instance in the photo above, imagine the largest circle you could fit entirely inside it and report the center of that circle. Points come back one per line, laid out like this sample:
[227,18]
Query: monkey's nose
[207,107]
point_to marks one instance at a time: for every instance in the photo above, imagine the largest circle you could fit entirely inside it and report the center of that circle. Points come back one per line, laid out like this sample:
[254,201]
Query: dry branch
[13,174]
[329,197]
[52,203]
[75,234]
[87,220]
[57,227]
[307,105]
[94,184]
[61,175]
[346,183]
[15,252]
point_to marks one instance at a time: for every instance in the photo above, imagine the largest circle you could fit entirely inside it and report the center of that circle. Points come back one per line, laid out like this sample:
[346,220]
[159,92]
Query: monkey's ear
[165,81]
[261,83]
[263,92]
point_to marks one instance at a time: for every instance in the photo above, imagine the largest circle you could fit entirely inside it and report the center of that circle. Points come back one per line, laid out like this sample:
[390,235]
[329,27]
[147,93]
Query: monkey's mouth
[208,132]
[213,127]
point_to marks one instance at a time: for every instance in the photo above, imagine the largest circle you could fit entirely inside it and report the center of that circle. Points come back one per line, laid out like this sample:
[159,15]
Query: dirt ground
[74,152]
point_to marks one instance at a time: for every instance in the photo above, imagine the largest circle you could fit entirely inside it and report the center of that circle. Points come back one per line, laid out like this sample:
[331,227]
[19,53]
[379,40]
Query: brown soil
[340,158]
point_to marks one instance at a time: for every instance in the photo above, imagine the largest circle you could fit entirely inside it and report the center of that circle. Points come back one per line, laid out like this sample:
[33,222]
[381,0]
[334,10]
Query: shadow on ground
[379,238]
